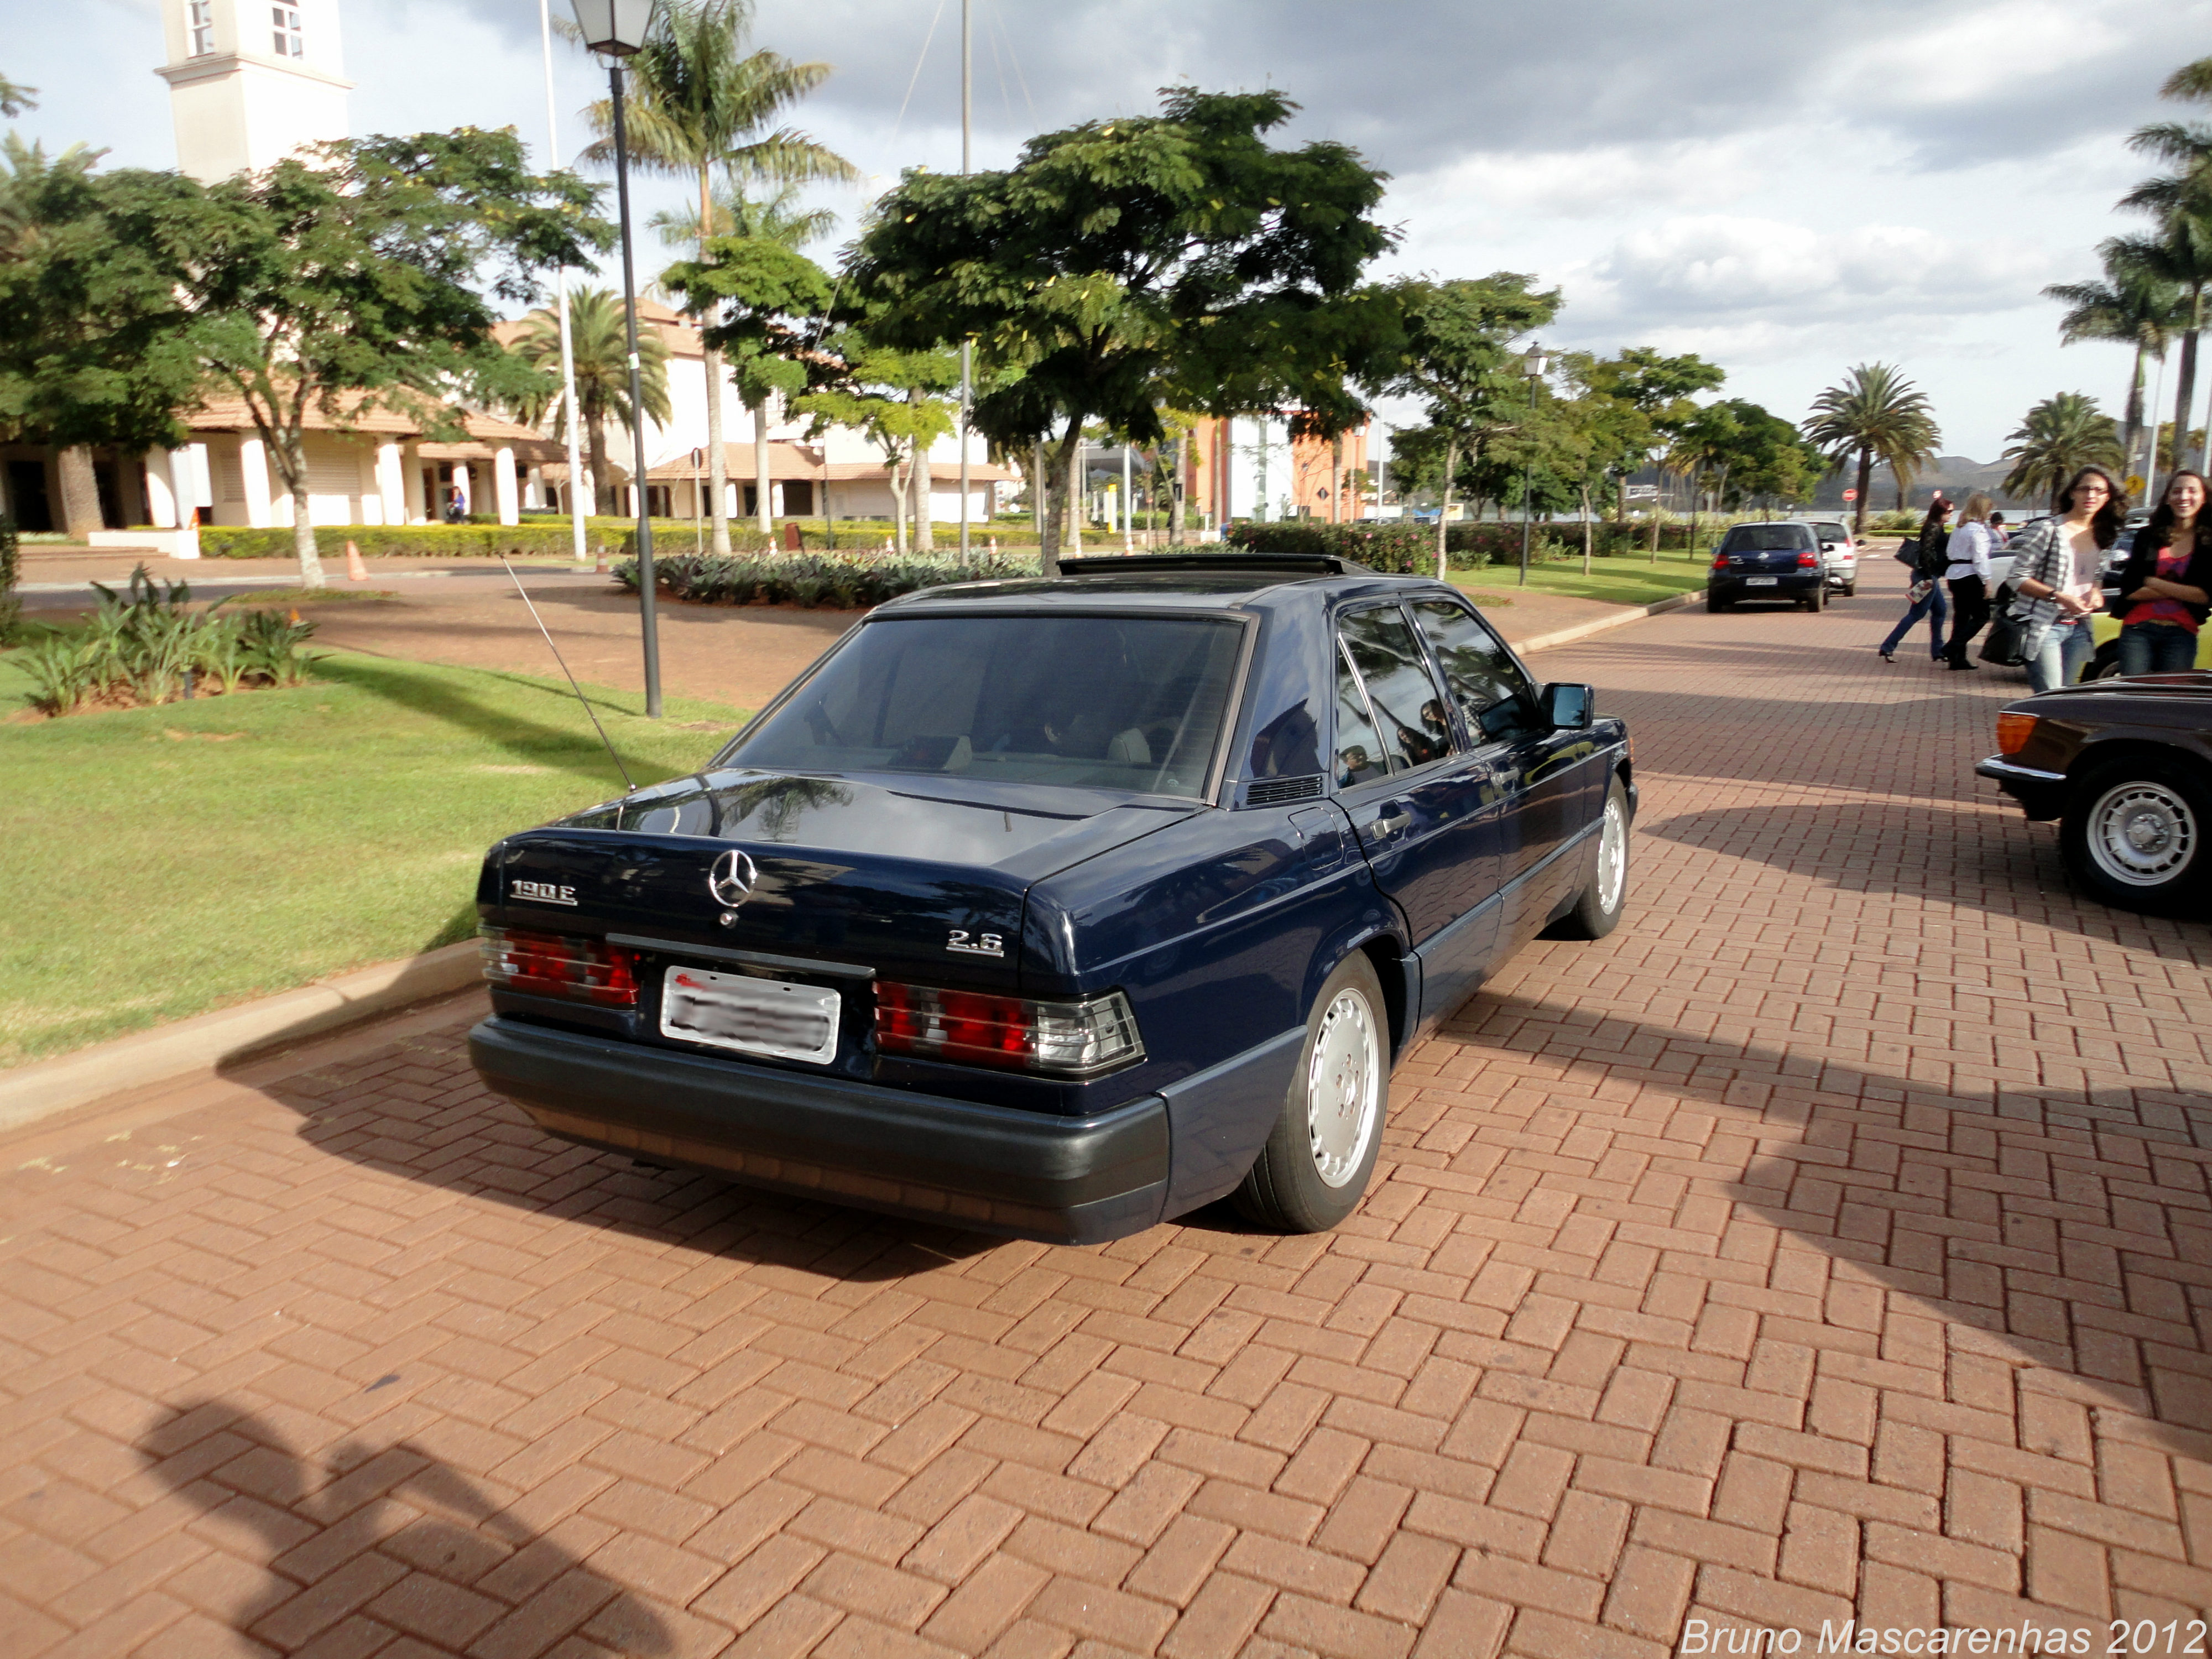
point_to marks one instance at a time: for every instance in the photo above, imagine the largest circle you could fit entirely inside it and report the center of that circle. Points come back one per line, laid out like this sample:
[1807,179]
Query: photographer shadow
[365,1543]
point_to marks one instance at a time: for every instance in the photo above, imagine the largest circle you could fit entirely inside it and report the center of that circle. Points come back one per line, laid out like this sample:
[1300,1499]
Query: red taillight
[969,1028]
[548,965]
[1720,562]
[1806,561]
[2012,732]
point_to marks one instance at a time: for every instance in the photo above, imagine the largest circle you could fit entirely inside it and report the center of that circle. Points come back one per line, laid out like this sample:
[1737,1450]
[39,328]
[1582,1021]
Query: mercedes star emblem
[731,881]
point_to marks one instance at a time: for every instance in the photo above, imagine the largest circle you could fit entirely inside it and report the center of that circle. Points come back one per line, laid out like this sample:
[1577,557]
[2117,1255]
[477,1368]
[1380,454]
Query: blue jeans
[2156,649]
[1935,608]
[2065,649]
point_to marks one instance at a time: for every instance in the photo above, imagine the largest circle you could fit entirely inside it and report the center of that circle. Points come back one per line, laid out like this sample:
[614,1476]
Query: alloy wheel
[1343,1088]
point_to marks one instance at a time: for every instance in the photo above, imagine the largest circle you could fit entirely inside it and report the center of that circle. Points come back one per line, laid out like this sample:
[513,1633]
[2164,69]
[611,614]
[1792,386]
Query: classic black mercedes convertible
[1059,908]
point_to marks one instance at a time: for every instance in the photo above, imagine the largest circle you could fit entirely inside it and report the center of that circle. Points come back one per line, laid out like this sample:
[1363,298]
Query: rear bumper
[1073,1181]
[1796,585]
[2042,794]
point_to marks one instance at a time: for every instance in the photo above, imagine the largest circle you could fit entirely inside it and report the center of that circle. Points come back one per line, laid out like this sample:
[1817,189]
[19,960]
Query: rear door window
[1409,708]
[1493,693]
[1360,756]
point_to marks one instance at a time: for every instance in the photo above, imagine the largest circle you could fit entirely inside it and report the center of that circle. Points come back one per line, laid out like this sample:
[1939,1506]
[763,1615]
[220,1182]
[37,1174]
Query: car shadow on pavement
[365,1542]
[1932,851]
[2057,1229]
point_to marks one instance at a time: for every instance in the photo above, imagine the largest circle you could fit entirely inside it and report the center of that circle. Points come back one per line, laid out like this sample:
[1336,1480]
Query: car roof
[1167,583]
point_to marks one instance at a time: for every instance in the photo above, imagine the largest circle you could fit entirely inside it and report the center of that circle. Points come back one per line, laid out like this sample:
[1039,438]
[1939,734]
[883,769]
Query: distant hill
[1956,476]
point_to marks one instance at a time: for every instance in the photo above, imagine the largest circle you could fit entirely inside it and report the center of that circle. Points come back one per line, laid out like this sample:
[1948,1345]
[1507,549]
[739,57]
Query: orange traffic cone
[356,570]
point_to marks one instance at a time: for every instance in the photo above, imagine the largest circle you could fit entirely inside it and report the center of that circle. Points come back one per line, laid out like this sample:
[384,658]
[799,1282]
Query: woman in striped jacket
[2055,577]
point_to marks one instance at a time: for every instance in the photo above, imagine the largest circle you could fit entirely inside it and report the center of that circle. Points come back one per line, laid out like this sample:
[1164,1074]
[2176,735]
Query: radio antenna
[573,686]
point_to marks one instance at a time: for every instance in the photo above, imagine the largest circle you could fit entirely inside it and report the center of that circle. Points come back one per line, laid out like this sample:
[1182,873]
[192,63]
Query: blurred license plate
[1762,581]
[765,1016]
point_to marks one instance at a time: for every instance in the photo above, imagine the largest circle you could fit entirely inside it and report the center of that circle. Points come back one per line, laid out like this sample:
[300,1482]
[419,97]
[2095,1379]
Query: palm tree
[2180,250]
[703,105]
[1875,414]
[2060,436]
[2131,307]
[599,337]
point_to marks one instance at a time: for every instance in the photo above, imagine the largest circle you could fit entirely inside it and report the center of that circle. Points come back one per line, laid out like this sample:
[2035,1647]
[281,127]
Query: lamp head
[614,28]
[1534,364]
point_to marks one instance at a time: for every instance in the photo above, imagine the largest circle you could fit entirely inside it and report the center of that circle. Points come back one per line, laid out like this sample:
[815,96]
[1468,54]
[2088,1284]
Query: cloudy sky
[1786,190]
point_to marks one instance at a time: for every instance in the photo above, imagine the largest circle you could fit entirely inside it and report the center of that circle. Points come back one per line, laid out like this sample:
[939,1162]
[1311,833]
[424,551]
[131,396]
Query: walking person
[2167,584]
[1967,575]
[2055,578]
[1925,597]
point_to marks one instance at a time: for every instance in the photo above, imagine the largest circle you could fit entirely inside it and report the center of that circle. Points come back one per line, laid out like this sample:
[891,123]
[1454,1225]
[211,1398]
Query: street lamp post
[1532,366]
[616,30]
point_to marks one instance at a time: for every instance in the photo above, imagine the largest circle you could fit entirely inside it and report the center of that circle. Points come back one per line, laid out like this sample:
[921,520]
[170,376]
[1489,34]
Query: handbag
[1908,553]
[2007,645]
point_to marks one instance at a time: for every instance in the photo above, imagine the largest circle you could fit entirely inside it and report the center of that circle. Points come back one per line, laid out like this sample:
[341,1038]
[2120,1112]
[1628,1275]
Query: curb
[1583,630]
[206,1042]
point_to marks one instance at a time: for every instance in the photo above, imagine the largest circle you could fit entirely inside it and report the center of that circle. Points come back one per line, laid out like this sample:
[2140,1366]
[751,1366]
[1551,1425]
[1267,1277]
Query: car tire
[2133,836]
[1604,896]
[2104,663]
[1713,602]
[1315,1165]
[1819,602]
[1850,589]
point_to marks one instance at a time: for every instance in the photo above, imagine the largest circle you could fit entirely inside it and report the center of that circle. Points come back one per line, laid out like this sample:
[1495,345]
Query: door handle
[1394,819]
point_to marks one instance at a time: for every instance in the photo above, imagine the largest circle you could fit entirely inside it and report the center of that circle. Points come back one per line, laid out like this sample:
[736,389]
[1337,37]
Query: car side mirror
[1569,707]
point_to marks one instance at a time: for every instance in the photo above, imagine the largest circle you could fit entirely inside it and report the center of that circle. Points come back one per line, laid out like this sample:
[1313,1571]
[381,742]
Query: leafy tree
[1129,263]
[1874,413]
[888,394]
[1455,359]
[703,105]
[95,341]
[1597,438]
[2131,307]
[599,336]
[2060,436]
[1658,388]
[1771,460]
[767,300]
[16,100]
[353,283]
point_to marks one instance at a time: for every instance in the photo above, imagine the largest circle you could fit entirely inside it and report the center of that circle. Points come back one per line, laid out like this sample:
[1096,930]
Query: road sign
[1850,494]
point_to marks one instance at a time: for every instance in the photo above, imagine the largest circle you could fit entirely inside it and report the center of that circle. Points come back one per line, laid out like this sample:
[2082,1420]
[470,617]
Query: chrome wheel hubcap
[1343,1088]
[2143,834]
[1613,858]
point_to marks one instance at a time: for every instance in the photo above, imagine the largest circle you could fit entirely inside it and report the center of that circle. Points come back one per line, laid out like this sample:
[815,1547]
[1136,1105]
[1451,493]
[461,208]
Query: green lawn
[1629,579]
[160,862]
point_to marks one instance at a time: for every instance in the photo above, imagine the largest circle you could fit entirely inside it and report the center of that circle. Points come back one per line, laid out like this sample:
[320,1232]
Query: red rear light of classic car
[968,1027]
[548,965]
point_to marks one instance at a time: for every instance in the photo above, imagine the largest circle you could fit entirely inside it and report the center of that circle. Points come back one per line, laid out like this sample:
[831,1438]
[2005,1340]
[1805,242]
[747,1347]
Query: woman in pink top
[2166,589]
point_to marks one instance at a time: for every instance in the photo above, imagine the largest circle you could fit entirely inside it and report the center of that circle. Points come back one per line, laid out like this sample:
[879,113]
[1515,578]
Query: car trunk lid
[918,880]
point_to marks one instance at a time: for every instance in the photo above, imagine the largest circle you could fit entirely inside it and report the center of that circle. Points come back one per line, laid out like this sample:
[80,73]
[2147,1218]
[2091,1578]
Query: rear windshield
[1110,702]
[1767,539]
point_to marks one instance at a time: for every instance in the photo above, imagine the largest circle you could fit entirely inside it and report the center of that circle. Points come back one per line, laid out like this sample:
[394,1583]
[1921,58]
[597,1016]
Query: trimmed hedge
[540,536]
[837,583]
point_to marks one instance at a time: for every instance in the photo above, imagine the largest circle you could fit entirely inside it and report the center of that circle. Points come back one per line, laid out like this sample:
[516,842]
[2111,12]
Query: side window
[1491,691]
[1408,707]
[1359,755]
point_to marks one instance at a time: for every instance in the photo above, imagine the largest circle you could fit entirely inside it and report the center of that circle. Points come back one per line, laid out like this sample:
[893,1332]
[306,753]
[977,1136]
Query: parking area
[1830,1242]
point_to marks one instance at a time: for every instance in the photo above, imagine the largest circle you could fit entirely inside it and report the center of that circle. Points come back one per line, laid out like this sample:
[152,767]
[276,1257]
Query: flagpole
[561,290]
[967,349]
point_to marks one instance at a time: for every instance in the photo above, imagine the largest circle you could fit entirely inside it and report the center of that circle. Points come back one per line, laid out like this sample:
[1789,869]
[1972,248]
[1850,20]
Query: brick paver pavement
[1831,1242]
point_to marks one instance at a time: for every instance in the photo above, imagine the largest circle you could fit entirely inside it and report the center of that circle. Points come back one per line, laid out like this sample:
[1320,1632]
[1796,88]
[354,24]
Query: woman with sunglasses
[2054,577]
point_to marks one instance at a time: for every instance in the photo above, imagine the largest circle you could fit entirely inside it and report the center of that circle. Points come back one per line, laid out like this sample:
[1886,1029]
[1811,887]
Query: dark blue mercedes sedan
[1059,908]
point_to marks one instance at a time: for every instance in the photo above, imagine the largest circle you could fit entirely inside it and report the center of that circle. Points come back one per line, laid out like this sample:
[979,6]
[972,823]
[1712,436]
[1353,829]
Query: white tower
[250,82]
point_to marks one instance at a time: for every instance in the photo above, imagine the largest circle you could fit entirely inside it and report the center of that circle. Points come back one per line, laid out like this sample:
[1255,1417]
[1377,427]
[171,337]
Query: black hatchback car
[1059,908]
[1777,560]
